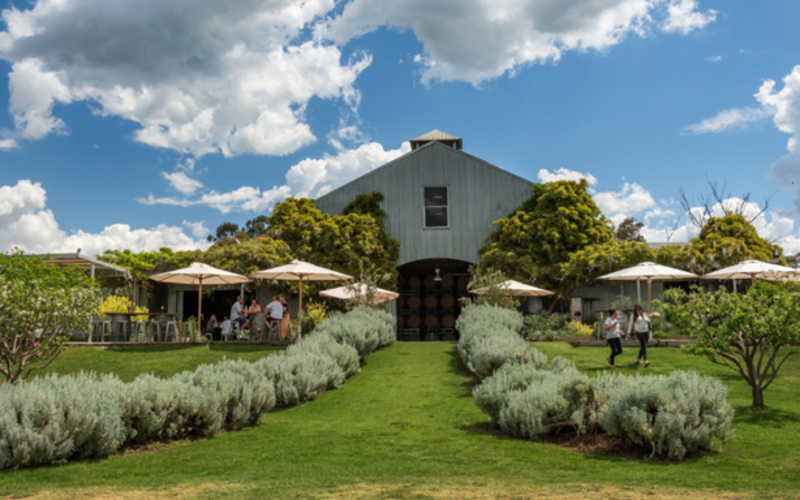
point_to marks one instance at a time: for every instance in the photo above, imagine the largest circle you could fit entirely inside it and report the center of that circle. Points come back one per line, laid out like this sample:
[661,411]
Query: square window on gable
[436,207]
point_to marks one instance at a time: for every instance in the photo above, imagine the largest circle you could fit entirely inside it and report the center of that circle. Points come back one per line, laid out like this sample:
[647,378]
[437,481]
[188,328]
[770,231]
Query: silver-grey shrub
[488,354]
[489,338]
[556,401]
[669,415]
[53,419]
[346,356]
[353,331]
[380,321]
[301,376]
[492,393]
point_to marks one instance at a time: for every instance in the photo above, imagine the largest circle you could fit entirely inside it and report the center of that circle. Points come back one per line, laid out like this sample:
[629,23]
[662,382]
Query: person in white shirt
[611,327]
[237,310]
[275,309]
[227,327]
[641,324]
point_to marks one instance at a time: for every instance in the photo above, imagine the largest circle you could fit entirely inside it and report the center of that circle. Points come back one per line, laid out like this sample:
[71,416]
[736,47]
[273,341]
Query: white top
[235,310]
[613,332]
[275,309]
[640,325]
[226,327]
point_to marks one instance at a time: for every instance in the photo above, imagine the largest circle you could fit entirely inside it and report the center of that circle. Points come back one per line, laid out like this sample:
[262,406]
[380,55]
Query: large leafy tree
[367,204]
[629,230]
[40,306]
[247,256]
[535,242]
[728,240]
[347,243]
[748,333]
[143,264]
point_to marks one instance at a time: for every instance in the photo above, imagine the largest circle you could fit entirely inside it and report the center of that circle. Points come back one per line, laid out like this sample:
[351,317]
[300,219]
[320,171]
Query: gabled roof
[431,144]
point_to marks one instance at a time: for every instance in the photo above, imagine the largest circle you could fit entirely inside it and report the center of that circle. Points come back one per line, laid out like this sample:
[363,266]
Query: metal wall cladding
[479,194]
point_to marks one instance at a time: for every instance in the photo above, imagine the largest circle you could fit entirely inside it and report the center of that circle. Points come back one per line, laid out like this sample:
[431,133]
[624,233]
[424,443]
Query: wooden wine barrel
[447,281]
[401,321]
[413,321]
[462,282]
[448,301]
[414,302]
[431,301]
[448,321]
[430,282]
[401,302]
[431,321]
[414,282]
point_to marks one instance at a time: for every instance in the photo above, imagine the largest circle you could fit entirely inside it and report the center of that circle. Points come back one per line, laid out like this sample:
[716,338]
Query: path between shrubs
[405,427]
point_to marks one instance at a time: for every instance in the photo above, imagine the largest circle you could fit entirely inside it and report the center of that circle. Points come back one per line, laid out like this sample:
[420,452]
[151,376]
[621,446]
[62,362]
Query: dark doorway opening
[429,305]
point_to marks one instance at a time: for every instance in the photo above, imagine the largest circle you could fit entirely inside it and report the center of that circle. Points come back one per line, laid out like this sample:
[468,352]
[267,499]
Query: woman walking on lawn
[641,324]
[611,327]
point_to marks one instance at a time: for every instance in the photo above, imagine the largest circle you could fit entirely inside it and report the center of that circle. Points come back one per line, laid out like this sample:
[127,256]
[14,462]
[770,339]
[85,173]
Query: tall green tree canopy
[536,241]
[629,230]
[728,240]
[347,243]
[367,204]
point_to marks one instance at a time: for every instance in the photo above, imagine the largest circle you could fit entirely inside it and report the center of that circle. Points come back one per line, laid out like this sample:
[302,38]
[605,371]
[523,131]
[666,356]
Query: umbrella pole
[638,291]
[649,305]
[300,311]
[734,287]
[199,305]
[753,279]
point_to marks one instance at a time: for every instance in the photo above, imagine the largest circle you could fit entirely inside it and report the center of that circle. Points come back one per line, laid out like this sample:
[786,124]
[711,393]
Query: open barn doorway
[429,304]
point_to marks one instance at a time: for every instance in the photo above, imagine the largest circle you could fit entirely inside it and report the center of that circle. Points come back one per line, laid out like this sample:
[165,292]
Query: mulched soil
[607,445]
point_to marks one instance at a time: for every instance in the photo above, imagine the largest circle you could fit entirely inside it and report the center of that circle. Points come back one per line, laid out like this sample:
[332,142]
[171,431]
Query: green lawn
[406,427]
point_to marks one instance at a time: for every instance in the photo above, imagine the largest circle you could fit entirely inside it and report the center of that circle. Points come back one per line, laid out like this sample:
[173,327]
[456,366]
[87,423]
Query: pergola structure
[96,268]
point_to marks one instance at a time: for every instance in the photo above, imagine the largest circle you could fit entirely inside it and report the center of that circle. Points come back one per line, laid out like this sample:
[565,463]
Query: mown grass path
[407,427]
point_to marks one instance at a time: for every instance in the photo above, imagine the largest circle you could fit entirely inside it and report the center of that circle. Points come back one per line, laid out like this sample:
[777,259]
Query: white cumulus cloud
[564,174]
[26,223]
[632,199]
[198,77]
[311,177]
[476,40]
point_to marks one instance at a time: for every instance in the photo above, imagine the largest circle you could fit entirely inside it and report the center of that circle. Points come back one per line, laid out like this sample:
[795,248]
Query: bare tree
[700,207]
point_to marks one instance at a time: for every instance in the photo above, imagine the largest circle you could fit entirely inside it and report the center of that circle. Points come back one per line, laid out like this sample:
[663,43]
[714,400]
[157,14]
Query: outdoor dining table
[121,331]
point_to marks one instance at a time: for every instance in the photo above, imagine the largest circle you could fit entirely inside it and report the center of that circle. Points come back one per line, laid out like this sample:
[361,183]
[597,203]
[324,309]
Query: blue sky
[141,124]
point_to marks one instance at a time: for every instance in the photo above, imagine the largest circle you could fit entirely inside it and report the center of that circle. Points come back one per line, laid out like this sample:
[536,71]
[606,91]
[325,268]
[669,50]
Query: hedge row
[525,396]
[55,419]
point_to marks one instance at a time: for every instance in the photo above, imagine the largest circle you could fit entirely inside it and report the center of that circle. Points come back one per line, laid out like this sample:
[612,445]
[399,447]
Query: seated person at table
[237,312]
[227,327]
[212,323]
[275,309]
[251,312]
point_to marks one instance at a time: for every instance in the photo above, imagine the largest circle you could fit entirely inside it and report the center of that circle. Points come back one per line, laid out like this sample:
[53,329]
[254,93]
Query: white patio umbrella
[516,289]
[300,271]
[200,274]
[752,269]
[358,290]
[649,271]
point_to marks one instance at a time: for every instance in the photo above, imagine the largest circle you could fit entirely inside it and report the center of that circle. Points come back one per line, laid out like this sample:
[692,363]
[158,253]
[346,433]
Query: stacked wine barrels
[431,305]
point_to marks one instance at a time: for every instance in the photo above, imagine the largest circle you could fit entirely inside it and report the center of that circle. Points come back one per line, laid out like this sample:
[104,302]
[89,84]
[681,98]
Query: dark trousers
[643,338]
[616,348]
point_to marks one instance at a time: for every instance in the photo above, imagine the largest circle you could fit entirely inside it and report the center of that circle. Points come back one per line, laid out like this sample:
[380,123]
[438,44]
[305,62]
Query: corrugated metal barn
[440,204]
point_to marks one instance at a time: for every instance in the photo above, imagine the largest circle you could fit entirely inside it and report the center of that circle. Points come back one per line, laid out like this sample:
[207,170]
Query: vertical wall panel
[479,194]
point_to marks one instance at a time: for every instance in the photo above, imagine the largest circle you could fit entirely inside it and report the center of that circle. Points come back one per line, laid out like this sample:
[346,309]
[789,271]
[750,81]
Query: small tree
[744,332]
[488,281]
[40,305]
[364,291]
